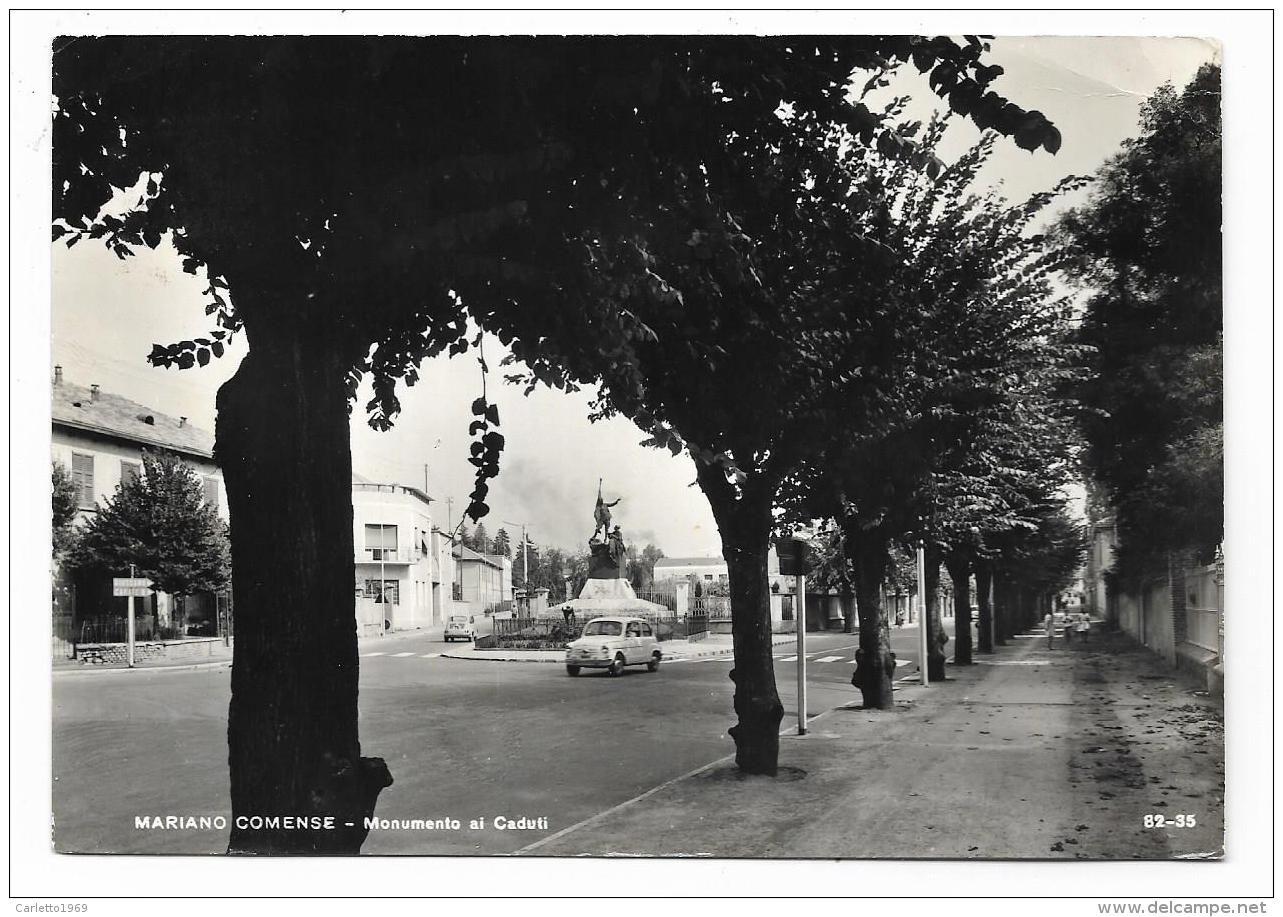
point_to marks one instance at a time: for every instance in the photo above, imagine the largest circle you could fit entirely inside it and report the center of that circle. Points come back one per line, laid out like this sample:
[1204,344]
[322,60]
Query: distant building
[704,569]
[100,437]
[712,576]
[483,582]
[403,563]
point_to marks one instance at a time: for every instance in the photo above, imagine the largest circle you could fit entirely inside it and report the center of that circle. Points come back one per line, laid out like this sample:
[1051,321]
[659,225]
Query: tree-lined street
[781,259]
[472,739]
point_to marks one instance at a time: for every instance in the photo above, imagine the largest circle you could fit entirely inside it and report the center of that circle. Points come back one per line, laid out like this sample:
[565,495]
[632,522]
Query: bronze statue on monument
[607,556]
[602,514]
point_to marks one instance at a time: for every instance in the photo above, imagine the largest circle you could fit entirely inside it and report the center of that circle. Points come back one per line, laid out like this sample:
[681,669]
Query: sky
[106,314]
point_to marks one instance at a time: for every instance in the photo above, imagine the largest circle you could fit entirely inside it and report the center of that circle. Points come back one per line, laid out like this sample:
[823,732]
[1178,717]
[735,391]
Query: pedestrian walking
[1049,623]
[1083,626]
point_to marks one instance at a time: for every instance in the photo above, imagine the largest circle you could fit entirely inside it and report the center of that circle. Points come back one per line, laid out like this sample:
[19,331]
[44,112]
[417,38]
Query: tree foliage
[1147,252]
[66,500]
[641,566]
[953,423]
[588,144]
[159,523]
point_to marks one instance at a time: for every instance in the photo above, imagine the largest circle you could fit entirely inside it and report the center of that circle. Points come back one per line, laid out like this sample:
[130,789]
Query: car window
[603,629]
[645,630]
[634,629]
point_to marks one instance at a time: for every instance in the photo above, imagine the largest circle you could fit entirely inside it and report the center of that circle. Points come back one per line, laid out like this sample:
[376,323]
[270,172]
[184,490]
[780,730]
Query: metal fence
[102,630]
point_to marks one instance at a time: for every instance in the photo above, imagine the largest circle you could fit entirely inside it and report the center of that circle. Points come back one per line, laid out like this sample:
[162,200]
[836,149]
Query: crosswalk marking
[368,655]
[828,659]
[430,656]
[789,659]
[401,655]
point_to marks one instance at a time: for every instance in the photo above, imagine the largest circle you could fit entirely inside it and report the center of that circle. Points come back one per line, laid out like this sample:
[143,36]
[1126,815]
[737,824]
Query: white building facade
[712,575]
[403,565]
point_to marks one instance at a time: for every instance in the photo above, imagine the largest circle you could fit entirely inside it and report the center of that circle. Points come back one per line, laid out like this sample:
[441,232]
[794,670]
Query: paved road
[464,740]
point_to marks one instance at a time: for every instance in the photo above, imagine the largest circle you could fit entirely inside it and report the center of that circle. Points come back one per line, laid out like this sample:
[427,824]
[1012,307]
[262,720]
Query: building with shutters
[100,437]
[404,567]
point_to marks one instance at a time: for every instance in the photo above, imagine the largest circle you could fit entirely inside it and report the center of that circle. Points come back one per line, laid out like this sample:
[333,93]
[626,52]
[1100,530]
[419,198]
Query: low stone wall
[202,650]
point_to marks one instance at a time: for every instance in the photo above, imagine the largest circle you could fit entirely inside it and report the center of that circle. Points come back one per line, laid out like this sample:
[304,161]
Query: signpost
[794,554]
[922,612]
[130,587]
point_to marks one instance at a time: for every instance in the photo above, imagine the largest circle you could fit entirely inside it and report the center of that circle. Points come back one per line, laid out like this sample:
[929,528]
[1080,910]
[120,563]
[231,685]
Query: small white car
[611,644]
[460,627]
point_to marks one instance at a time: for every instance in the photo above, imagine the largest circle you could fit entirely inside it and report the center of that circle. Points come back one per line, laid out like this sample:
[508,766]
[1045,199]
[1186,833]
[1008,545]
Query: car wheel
[617,666]
[572,670]
[653,665]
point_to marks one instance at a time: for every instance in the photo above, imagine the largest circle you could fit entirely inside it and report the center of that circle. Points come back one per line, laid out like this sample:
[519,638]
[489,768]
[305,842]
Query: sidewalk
[1029,754]
[219,655]
[673,650]
[213,655]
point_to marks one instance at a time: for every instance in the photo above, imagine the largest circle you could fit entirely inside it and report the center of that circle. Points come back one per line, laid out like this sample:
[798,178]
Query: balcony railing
[386,556]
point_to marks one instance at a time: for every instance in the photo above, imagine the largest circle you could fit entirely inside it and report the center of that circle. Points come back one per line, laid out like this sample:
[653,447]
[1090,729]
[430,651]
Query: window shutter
[82,475]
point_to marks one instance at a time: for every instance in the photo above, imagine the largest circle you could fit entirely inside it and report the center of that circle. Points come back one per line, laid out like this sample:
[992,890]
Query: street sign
[130,585]
[794,555]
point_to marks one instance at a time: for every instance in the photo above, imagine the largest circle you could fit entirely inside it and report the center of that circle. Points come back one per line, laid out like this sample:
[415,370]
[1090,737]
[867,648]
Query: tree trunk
[958,563]
[984,599]
[936,637]
[284,446]
[874,660]
[847,600]
[745,528]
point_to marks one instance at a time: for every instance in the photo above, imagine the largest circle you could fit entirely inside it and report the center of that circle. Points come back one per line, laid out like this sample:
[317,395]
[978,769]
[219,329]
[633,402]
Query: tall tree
[348,198]
[481,539]
[641,566]
[159,523]
[502,544]
[1148,247]
[965,323]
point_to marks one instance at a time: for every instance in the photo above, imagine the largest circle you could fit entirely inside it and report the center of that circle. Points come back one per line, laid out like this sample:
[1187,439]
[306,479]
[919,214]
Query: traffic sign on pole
[131,586]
